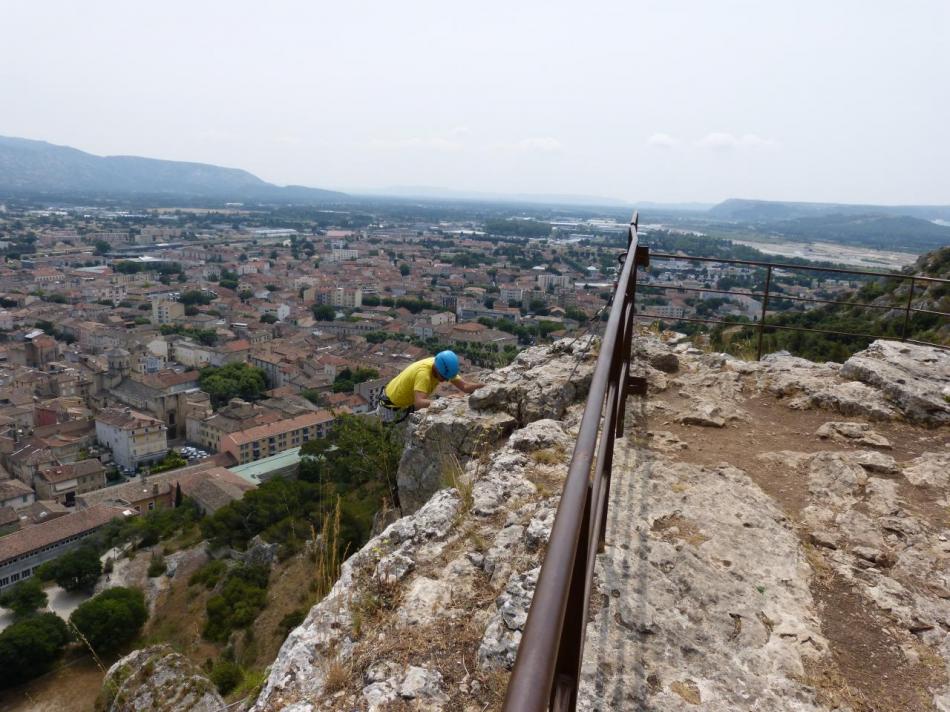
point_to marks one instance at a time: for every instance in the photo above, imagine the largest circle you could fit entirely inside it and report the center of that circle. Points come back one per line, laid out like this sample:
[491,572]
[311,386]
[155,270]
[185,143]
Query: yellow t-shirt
[418,376]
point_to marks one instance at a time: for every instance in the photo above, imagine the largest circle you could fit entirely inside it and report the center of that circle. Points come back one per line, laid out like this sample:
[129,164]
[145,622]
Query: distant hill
[37,167]
[903,228]
[771,210]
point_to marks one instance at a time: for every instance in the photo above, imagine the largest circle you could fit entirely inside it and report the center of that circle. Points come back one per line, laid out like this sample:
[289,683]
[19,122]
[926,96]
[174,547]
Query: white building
[553,280]
[133,437]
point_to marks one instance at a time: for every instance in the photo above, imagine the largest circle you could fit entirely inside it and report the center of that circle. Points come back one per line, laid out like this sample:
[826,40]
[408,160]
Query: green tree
[347,378]
[111,619]
[196,296]
[102,247]
[29,647]
[404,269]
[268,318]
[323,312]
[235,379]
[75,570]
[24,598]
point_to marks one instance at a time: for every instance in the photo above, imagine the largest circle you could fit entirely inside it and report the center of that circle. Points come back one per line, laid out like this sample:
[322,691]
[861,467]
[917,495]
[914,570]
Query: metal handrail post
[910,301]
[765,308]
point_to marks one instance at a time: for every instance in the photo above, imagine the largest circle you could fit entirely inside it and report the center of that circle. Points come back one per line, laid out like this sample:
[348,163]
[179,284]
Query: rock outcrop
[458,573]
[157,679]
[539,384]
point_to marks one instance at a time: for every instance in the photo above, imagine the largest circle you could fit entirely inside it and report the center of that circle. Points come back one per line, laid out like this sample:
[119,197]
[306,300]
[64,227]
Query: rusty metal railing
[547,669]
[761,326]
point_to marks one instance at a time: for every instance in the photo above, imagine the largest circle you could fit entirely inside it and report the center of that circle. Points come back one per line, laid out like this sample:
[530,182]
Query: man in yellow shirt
[413,387]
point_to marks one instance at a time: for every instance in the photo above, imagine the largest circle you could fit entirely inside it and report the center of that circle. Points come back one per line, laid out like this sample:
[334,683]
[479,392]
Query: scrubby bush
[209,574]
[226,675]
[242,596]
[156,567]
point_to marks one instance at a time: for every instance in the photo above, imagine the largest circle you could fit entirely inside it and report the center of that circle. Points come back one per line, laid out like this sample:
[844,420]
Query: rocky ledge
[777,540]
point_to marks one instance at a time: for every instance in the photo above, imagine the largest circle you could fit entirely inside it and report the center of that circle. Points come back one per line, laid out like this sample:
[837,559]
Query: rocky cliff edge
[762,513]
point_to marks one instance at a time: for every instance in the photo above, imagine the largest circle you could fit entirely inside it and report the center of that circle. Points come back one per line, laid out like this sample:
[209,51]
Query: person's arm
[465,386]
[421,400]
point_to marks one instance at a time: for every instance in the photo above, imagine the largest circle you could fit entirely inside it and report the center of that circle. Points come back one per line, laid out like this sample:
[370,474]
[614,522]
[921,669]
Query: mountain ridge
[30,166]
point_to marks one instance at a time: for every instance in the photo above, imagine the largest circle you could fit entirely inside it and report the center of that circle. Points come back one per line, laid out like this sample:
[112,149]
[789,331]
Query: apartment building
[166,311]
[61,483]
[266,440]
[134,438]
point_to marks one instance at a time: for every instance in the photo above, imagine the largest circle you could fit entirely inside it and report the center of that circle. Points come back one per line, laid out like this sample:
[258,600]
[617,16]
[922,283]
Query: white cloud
[723,141]
[663,140]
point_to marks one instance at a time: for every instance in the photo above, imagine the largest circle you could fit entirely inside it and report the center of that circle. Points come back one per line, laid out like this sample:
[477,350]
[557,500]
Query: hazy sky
[665,100]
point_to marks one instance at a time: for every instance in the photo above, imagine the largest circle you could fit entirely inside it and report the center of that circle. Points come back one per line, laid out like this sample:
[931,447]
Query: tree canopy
[75,570]
[24,598]
[222,383]
[29,647]
[111,619]
[348,378]
[323,312]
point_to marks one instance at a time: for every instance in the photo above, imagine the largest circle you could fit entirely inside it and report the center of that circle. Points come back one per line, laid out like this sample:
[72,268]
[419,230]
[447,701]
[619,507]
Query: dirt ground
[867,669]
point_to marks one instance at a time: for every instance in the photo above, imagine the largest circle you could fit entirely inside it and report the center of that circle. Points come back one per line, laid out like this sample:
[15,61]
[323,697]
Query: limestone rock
[539,528]
[539,384]
[425,601]
[873,461]
[833,480]
[911,377]
[420,683]
[437,440]
[851,398]
[785,375]
[932,469]
[504,481]
[707,610]
[665,441]
[394,567]
[658,354]
[499,645]
[299,672]
[159,679]
[260,552]
[853,434]
[707,415]
[539,435]
[379,695]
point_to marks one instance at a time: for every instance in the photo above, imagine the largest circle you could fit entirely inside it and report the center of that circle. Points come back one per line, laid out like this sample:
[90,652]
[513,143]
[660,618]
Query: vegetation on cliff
[885,319]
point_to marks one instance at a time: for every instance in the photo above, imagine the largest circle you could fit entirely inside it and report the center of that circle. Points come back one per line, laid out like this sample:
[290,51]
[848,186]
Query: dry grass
[336,676]
[375,596]
[453,476]
[556,455]
[831,688]
[327,557]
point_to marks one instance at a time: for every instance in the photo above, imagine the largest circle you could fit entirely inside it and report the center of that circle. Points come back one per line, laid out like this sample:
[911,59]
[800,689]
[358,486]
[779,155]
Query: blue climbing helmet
[447,364]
